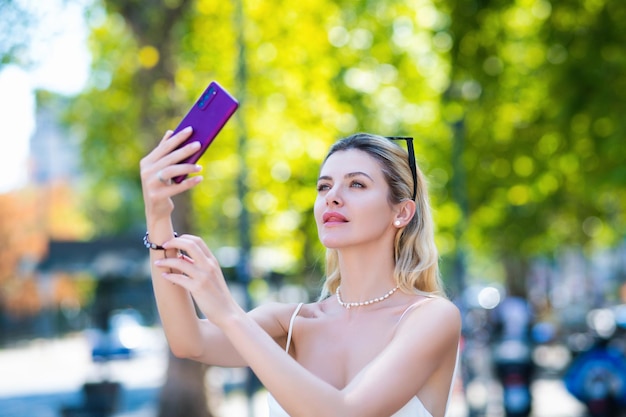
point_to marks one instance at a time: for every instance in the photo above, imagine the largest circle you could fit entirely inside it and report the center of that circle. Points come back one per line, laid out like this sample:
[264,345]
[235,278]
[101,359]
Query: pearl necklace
[363,303]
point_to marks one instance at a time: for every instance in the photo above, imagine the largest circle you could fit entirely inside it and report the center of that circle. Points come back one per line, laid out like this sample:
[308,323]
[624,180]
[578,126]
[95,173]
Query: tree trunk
[516,273]
[184,391]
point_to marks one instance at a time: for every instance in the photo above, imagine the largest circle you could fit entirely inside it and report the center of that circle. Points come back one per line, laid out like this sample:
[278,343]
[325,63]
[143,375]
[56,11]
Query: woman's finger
[192,245]
[176,155]
[179,266]
[201,245]
[155,190]
[169,142]
[168,134]
[172,141]
[157,174]
[195,248]
[177,279]
[166,174]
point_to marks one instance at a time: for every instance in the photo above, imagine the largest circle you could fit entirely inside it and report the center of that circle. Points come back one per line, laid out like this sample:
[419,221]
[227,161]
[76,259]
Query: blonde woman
[382,339]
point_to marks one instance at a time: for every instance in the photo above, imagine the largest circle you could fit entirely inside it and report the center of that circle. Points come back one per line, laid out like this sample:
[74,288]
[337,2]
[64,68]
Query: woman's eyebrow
[357,174]
[348,175]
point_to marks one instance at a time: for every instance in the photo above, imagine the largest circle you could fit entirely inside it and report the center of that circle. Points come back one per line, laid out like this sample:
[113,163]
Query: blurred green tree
[14,32]
[536,95]
[516,107]
[133,97]
[295,102]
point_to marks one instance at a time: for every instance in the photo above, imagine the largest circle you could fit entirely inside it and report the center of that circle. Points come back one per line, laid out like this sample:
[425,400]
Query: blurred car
[123,339]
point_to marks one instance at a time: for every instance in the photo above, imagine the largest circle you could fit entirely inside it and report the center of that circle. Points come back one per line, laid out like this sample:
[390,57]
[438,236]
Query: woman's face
[352,205]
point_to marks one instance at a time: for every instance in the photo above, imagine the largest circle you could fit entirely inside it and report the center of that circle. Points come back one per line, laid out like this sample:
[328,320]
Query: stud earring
[397,223]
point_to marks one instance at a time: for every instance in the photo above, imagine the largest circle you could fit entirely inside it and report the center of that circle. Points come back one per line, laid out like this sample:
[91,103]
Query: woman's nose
[332,197]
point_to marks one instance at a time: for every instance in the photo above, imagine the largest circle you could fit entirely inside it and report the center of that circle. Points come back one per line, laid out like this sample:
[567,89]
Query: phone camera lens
[203,100]
[207,97]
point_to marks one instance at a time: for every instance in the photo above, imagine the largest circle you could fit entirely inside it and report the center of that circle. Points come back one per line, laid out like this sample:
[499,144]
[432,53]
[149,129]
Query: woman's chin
[330,243]
[333,243]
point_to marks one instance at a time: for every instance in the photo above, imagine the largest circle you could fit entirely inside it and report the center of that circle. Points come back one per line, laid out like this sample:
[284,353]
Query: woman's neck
[365,274]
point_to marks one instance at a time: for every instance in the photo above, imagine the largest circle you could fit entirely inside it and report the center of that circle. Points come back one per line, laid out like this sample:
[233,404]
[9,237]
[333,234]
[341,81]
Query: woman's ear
[406,211]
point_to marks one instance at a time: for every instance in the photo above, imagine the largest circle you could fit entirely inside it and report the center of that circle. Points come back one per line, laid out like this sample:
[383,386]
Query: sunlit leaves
[526,98]
[538,136]
[15,32]
[148,56]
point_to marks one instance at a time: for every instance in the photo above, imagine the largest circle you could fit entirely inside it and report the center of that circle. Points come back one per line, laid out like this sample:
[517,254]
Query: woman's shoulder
[281,309]
[436,309]
[274,316]
[438,300]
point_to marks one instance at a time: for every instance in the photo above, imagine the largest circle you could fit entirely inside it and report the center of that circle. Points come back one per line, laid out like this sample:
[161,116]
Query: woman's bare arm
[187,335]
[426,339]
[213,346]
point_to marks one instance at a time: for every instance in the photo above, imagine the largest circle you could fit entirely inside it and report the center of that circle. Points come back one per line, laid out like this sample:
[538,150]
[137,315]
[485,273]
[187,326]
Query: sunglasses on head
[411,152]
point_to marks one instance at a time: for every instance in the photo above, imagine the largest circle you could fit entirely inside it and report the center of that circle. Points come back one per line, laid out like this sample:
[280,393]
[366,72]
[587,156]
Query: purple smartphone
[207,117]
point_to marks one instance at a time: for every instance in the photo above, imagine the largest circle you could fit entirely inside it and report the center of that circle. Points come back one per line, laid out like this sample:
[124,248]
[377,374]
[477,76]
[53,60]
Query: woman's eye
[356,184]
[322,187]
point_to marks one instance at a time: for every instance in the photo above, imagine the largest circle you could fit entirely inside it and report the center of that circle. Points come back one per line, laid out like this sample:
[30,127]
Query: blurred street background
[517,110]
[42,377]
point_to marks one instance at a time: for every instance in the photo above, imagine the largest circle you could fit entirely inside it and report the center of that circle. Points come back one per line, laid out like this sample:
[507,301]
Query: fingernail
[188,129]
[198,168]
[194,144]
[158,262]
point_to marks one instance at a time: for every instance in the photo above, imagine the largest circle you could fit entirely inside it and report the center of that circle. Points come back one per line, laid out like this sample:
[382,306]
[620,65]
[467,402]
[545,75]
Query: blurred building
[55,278]
[55,151]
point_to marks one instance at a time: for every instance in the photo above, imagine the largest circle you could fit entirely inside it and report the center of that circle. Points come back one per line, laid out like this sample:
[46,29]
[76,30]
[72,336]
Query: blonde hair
[415,253]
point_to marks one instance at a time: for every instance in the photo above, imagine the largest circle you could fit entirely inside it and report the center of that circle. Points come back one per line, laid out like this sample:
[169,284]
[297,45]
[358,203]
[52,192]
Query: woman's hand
[160,166]
[199,272]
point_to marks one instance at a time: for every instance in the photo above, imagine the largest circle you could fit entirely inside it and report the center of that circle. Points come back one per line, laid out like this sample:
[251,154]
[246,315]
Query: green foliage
[14,32]
[108,117]
[540,93]
[517,108]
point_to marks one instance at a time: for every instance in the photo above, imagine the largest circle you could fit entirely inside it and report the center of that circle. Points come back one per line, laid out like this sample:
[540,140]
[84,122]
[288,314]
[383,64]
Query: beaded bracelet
[153,246]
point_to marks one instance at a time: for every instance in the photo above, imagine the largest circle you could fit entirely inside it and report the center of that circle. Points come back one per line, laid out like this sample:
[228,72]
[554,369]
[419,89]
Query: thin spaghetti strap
[414,305]
[454,375]
[291,321]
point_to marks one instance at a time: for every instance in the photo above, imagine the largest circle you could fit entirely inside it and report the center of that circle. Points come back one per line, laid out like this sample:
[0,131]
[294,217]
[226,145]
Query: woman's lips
[333,217]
